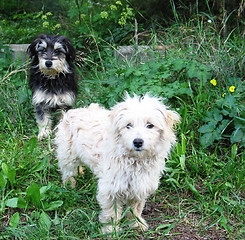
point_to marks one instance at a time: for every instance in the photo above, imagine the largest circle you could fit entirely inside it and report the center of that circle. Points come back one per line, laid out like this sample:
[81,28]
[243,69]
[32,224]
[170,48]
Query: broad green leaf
[16,203]
[5,169]
[52,205]
[179,64]
[203,75]
[192,70]
[238,136]
[33,193]
[31,144]
[9,172]
[44,189]
[13,202]
[207,128]
[217,115]
[14,220]
[45,221]
[3,181]
[208,138]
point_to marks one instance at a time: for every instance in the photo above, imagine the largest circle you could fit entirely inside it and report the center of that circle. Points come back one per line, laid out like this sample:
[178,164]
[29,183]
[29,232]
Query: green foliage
[9,173]
[24,27]
[83,23]
[160,77]
[5,56]
[226,119]
[89,19]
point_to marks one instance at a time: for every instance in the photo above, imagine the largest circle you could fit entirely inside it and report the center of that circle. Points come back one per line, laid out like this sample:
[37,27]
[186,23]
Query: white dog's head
[144,125]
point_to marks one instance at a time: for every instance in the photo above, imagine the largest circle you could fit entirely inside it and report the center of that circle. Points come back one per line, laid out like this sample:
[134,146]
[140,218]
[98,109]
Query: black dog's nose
[138,142]
[48,63]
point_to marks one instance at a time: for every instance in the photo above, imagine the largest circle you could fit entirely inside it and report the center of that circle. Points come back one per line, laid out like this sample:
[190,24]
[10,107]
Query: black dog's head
[52,54]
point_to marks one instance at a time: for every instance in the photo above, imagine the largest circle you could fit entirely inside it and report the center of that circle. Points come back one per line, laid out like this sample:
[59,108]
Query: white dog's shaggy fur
[125,147]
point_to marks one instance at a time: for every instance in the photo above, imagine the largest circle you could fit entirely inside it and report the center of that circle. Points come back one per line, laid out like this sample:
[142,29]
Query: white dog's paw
[72,182]
[80,170]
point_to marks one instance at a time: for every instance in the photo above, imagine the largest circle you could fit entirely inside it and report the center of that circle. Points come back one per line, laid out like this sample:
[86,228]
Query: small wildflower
[119,3]
[46,24]
[104,14]
[113,7]
[122,21]
[223,95]
[129,11]
[56,26]
[232,88]
[214,82]
[44,17]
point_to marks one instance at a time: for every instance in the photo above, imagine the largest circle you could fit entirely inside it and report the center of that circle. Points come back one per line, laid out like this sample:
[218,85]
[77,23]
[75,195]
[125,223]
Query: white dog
[125,147]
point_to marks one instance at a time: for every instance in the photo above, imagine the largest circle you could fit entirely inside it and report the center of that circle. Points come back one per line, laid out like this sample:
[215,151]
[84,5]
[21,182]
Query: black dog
[52,79]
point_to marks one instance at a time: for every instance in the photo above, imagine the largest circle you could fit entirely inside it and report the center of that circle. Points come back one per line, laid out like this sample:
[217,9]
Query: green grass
[202,192]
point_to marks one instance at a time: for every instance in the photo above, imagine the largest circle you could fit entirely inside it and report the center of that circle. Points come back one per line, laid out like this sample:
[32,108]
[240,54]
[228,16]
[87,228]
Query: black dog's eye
[41,49]
[129,125]
[59,51]
[149,125]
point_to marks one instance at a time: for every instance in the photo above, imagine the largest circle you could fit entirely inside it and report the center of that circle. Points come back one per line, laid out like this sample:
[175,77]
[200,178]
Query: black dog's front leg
[43,118]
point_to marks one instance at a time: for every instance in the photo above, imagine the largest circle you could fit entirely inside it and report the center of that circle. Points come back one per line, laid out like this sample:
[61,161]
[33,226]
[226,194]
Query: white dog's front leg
[111,211]
[137,208]
[68,167]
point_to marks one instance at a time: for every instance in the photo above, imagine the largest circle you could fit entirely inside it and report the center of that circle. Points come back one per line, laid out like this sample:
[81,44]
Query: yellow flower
[232,88]
[223,95]
[214,82]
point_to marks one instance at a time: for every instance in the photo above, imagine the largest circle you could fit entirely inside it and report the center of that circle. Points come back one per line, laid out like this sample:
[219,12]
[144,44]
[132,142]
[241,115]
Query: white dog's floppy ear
[172,118]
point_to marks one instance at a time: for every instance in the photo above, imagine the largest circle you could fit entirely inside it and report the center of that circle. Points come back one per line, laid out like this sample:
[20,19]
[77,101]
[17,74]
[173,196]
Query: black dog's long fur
[52,78]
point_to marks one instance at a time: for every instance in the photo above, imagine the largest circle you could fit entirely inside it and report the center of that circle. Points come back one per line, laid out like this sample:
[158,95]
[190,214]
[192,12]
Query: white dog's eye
[129,125]
[149,125]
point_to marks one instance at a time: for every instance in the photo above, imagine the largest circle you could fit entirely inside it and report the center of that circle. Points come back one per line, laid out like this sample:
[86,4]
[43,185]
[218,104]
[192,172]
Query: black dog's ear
[31,50]
[71,52]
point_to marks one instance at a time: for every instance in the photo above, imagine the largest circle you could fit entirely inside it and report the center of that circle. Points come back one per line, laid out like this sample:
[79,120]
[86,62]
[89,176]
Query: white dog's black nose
[138,143]
[48,63]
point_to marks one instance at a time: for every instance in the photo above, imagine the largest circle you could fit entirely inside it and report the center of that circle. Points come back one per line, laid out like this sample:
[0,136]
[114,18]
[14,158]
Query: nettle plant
[225,121]
[167,78]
